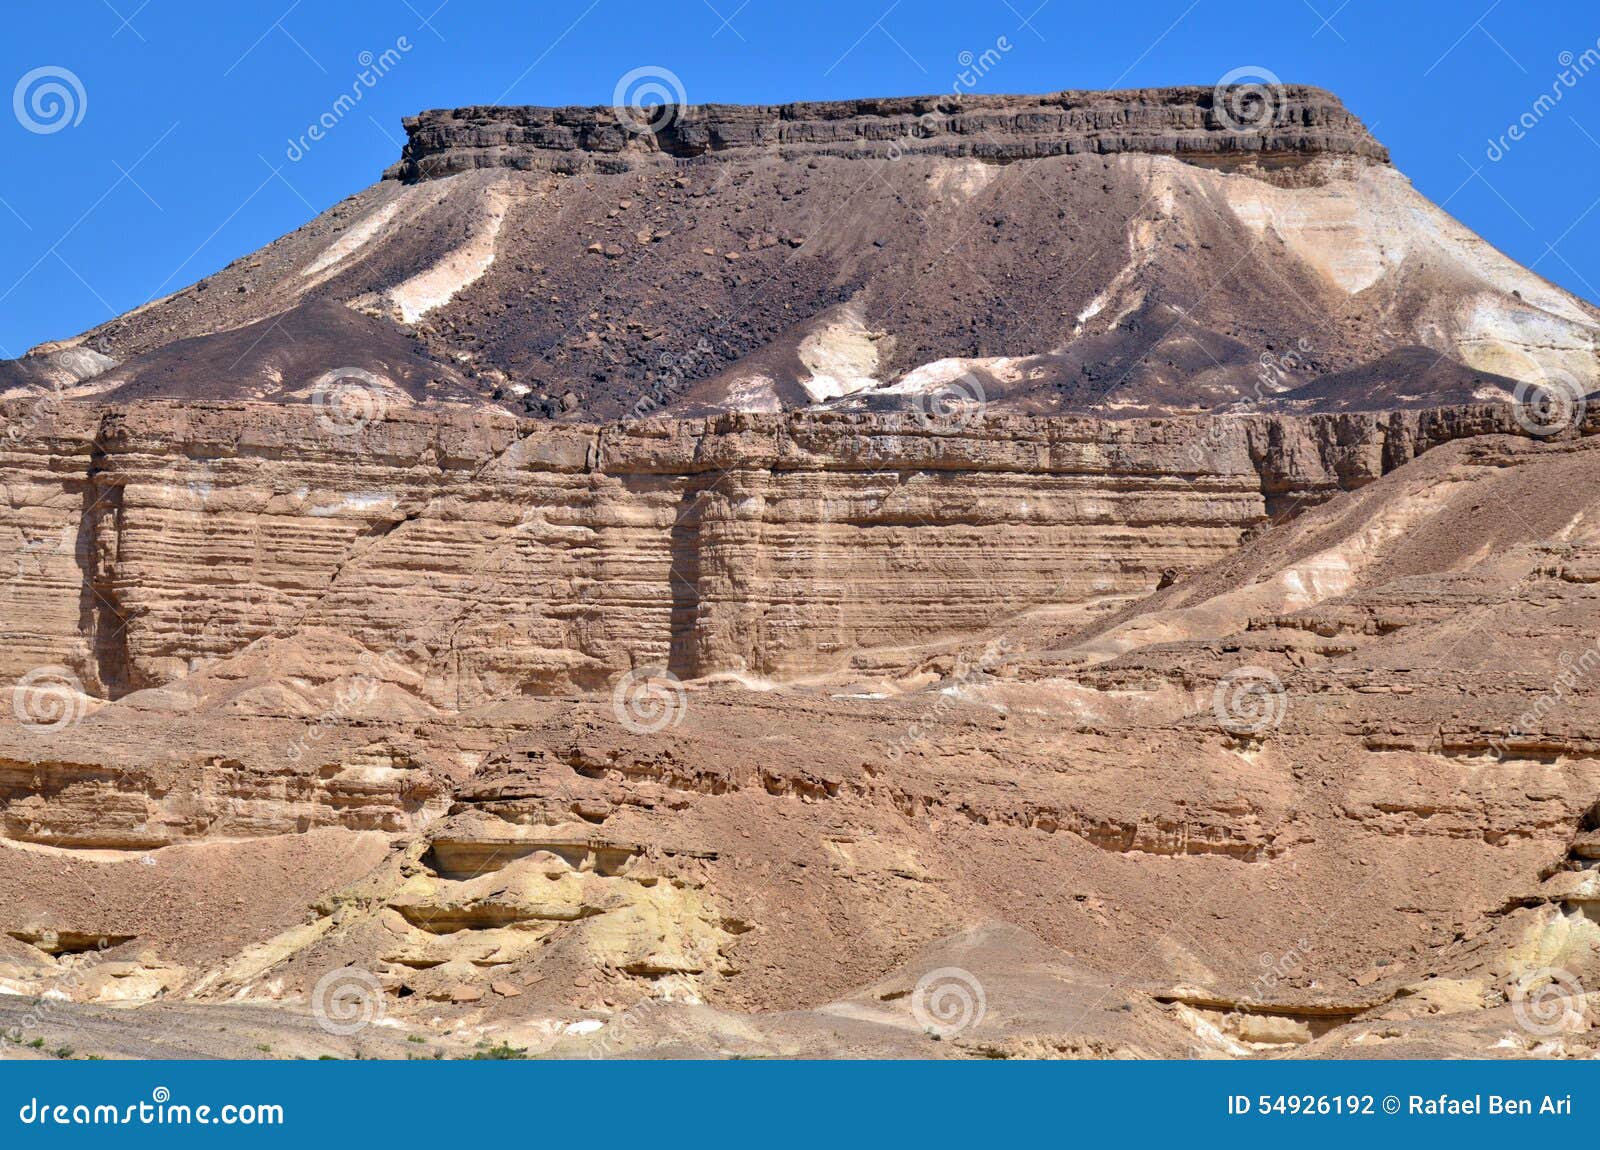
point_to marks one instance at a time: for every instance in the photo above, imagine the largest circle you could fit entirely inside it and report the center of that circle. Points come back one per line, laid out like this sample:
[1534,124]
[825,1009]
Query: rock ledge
[1292,121]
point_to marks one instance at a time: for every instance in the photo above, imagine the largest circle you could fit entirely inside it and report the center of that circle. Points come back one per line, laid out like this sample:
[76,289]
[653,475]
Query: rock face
[1281,688]
[1291,121]
[524,556]
[1196,661]
[92,805]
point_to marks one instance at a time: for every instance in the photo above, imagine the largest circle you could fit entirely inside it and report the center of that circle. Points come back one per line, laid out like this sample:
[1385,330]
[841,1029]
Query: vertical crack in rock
[684,576]
[101,615]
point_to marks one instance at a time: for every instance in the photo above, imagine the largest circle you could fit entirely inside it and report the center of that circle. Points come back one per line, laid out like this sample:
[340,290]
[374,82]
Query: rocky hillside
[1123,253]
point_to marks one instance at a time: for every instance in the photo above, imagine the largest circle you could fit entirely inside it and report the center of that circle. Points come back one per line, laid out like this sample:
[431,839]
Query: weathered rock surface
[503,557]
[1124,254]
[1216,676]
[1405,833]
[1293,121]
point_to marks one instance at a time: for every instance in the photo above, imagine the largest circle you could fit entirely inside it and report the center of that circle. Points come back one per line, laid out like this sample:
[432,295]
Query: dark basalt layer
[1191,123]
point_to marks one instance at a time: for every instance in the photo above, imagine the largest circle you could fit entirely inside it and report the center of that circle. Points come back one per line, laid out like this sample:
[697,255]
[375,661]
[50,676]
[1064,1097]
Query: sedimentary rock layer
[1288,120]
[511,557]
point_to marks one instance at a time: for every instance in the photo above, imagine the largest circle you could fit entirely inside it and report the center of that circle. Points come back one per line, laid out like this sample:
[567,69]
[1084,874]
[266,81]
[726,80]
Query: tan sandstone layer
[521,556]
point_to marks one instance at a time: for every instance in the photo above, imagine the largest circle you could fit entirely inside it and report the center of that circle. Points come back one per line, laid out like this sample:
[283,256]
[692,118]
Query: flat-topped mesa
[1197,124]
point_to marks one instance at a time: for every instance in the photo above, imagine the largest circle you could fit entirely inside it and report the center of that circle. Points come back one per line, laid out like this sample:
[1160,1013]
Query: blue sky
[174,159]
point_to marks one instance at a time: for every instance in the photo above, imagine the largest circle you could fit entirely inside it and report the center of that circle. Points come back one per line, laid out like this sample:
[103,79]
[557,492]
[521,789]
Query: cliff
[1184,122]
[508,557]
[1060,674]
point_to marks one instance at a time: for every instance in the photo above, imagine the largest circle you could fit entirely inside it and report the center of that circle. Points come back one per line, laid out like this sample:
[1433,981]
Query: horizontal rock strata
[1290,120]
[505,558]
[102,806]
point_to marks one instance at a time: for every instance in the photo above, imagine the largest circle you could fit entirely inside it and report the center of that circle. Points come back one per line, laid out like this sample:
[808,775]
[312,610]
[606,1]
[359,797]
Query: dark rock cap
[1200,124]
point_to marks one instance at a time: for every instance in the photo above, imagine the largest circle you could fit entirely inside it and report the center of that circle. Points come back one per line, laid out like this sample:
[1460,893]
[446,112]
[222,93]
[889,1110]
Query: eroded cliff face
[1293,120]
[358,700]
[510,558]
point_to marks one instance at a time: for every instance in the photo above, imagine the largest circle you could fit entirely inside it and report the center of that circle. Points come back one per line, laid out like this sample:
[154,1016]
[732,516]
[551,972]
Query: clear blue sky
[178,163]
